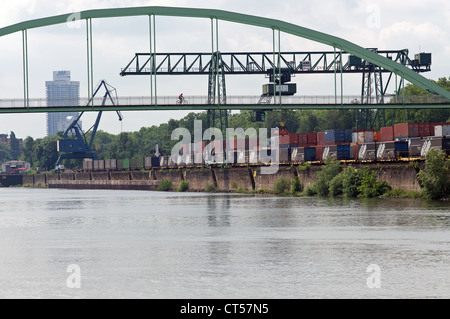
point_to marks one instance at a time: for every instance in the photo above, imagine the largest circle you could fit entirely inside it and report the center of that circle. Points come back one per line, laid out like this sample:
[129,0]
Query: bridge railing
[230,100]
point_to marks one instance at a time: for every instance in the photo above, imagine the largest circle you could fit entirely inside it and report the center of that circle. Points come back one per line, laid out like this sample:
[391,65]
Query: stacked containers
[405,130]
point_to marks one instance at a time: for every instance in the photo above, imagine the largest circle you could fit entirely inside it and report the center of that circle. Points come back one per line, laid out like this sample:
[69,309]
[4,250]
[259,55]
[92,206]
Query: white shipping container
[355,138]
[365,137]
[442,130]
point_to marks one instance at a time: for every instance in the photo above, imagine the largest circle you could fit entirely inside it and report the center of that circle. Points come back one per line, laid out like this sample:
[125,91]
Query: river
[129,244]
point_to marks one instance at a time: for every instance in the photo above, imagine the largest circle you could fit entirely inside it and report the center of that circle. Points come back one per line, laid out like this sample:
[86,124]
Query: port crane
[74,144]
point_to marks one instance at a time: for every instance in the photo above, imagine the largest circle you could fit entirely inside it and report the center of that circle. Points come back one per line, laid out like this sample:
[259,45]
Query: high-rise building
[61,92]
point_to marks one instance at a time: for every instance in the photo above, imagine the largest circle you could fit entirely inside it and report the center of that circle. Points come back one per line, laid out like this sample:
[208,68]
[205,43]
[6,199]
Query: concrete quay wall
[397,175]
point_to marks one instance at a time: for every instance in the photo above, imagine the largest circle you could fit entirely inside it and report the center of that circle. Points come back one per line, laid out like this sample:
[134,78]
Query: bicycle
[182,101]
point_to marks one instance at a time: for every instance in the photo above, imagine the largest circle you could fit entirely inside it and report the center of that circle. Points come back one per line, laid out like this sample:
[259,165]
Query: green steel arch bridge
[346,57]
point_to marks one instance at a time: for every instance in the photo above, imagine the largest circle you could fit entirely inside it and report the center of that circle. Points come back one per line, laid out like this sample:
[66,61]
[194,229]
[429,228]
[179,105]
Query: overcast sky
[420,26]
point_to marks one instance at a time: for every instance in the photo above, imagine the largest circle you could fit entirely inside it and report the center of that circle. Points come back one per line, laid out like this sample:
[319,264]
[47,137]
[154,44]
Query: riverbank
[402,176]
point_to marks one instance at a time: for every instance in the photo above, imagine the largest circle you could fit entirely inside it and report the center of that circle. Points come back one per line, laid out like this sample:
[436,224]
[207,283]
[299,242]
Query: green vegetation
[165,186]
[211,188]
[350,182]
[282,186]
[435,178]
[296,186]
[184,186]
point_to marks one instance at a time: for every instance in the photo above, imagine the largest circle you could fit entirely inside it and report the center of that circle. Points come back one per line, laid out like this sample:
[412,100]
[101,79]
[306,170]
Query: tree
[435,178]
[29,151]
[46,152]
[5,153]
[14,145]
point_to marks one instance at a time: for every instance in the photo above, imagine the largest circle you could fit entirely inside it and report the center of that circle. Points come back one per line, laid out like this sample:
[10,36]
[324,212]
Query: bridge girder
[281,26]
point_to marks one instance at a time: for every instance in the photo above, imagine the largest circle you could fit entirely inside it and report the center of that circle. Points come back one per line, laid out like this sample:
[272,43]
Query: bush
[336,185]
[210,188]
[165,186]
[310,190]
[281,186]
[329,171]
[184,186]
[352,180]
[296,185]
[435,178]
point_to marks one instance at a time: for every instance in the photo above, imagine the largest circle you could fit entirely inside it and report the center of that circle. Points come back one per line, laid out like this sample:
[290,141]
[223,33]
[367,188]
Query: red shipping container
[355,152]
[406,130]
[312,138]
[319,152]
[387,134]
[421,129]
[302,140]
[284,140]
[320,138]
[289,139]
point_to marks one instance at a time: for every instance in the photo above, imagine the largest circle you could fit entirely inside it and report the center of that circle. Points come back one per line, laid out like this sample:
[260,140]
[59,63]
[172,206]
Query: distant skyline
[417,26]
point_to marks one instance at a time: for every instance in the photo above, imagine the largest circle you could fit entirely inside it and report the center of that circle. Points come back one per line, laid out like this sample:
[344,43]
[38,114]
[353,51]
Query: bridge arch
[274,24]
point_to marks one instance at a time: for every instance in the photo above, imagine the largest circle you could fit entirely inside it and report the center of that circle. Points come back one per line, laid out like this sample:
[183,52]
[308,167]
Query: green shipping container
[126,164]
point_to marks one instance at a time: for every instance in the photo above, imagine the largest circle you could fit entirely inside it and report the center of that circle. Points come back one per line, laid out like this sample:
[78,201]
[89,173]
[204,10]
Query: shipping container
[303,154]
[88,165]
[319,152]
[442,130]
[253,157]
[284,155]
[415,146]
[440,143]
[387,134]
[367,151]
[99,165]
[406,130]
[173,160]
[377,136]
[302,139]
[312,139]
[163,161]
[392,150]
[329,152]
[136,163]
[343,152]
[291,139]
[188,159]
[151,162]
[320,138]
[365,137]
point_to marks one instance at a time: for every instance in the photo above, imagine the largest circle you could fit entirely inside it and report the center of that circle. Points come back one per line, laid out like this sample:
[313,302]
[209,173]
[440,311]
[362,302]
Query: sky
[420,26]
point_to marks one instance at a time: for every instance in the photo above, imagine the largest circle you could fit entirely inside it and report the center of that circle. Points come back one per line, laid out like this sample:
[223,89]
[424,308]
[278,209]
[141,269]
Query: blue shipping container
[335,136]
[310,154]
[348,135]
[401,146]
[343,152]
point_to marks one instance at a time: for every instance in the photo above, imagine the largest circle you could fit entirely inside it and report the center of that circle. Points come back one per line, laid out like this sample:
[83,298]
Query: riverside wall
[397,175]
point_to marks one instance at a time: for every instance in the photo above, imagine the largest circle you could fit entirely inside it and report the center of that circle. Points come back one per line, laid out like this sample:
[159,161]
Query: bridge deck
[232,103]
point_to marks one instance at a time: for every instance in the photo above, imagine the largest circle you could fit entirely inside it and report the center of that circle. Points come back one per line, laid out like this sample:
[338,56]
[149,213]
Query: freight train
[407,141]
